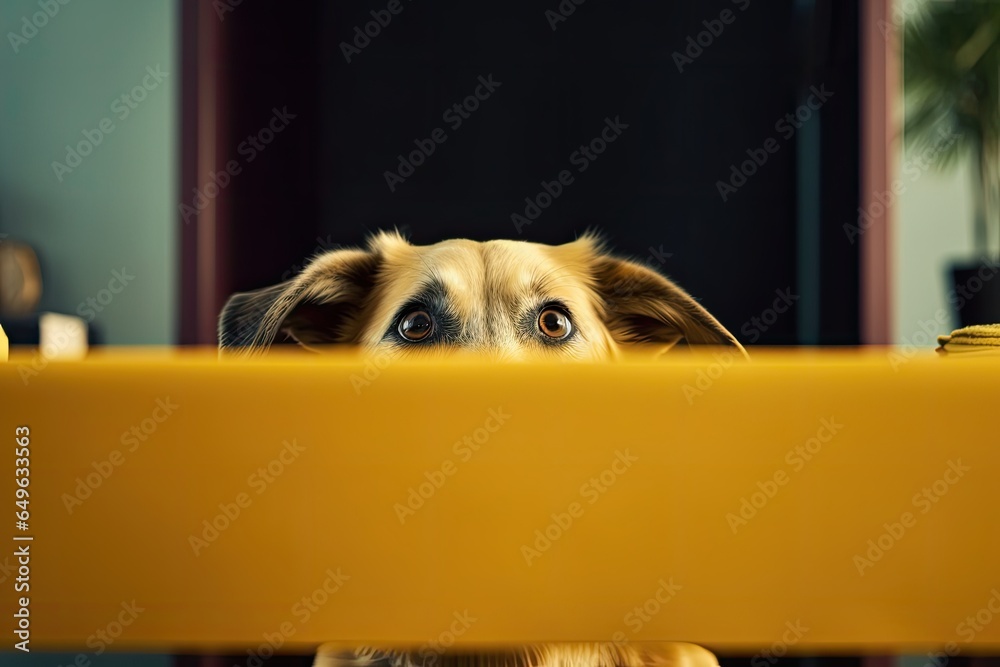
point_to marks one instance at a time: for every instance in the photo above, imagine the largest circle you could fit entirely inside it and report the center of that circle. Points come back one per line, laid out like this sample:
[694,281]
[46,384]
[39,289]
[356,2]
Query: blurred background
[158,156]
[816,172]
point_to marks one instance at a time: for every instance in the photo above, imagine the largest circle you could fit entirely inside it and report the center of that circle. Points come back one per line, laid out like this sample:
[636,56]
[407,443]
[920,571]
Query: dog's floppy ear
[319,306]
[641,306]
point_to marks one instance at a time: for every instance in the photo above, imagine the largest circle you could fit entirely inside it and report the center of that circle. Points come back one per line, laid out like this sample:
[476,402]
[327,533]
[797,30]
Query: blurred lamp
[20,279]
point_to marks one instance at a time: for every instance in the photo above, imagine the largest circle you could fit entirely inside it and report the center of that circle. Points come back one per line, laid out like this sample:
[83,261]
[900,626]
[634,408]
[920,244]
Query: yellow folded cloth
[975,338]
[4,346]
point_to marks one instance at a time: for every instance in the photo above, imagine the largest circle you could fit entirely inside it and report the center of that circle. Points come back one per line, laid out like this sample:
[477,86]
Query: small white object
[62,336]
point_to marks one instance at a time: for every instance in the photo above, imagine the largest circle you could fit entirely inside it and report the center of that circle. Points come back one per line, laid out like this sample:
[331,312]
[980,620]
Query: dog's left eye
[554,323]
[416,326]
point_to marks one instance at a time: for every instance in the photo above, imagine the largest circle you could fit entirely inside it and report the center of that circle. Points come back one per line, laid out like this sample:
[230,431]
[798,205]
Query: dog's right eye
[416,326]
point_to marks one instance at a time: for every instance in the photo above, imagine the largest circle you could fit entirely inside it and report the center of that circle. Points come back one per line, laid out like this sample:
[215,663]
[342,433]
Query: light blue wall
[117,208]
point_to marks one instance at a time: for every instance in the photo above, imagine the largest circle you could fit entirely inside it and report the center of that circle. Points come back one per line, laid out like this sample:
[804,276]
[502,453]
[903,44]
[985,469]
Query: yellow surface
[319,553]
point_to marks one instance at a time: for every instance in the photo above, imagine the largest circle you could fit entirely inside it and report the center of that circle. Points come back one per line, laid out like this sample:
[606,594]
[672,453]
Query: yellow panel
[819,500]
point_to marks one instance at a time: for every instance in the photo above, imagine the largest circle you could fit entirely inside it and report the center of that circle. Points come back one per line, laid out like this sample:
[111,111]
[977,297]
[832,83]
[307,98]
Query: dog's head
[508,299]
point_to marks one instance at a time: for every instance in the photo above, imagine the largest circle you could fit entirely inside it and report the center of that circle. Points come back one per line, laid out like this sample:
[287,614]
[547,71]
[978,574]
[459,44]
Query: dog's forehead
[508,268]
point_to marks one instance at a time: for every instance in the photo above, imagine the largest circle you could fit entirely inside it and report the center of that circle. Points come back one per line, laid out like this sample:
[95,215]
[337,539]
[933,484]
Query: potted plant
[951,77]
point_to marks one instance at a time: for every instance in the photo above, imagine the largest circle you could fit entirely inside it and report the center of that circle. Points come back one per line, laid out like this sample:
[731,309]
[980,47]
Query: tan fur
[492,288]
[641,654]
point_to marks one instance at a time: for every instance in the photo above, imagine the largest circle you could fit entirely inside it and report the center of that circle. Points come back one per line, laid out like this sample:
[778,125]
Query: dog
[506,300]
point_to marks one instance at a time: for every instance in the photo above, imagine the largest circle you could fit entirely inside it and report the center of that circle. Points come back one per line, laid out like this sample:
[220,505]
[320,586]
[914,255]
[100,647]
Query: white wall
[933,228]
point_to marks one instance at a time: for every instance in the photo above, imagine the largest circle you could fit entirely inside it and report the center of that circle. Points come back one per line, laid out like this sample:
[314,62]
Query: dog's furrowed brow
[430,295]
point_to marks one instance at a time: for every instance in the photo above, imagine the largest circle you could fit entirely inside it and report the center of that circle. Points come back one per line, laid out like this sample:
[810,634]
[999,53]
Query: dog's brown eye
[554,323]
[416,326]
